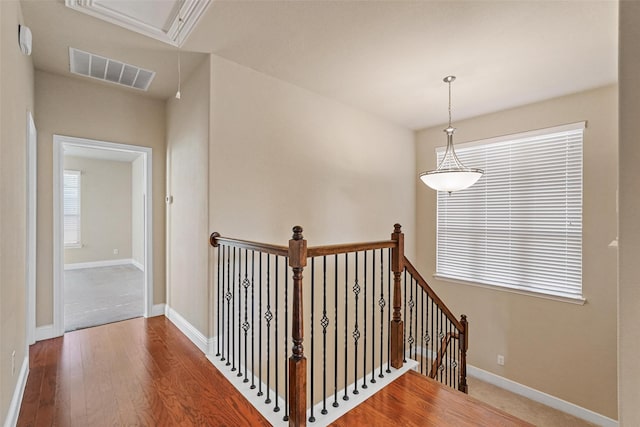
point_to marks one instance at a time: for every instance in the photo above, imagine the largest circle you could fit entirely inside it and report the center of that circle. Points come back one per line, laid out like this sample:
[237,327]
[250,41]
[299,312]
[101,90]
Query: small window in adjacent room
[71,191]
[520,225]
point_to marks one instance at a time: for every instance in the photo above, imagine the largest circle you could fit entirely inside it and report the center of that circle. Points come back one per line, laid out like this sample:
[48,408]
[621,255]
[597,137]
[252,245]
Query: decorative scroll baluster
[415,325]
[356,331]
[404,340]
[268,316]
[421,332]
[389,338]
[218,299]
[260,325]
[233,318]
[364,316]
[411,304]
[381,303]
[324,322]
[313,276]
[228,298]
[253,328]
[373,316]
[239,374]
[245,324]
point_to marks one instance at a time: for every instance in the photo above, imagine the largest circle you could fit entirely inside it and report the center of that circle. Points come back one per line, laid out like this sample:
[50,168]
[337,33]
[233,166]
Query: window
[71,191]
[520,225]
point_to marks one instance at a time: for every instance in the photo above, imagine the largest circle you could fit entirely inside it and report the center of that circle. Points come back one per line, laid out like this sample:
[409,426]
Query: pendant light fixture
[451,174]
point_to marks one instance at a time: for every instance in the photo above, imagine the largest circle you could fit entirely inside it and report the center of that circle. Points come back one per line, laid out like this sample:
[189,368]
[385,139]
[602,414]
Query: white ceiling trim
[182,22]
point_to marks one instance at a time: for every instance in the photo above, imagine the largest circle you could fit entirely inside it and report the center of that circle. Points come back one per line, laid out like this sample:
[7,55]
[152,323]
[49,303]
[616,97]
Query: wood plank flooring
[140,372]
[415,400]
[145,372]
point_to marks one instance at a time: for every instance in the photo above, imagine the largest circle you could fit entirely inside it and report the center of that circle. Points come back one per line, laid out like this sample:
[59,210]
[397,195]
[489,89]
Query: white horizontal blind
[71,200]
[520,225]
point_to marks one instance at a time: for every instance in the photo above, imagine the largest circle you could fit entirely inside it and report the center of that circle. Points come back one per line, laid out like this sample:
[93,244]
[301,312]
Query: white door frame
[32,178]
[59,142]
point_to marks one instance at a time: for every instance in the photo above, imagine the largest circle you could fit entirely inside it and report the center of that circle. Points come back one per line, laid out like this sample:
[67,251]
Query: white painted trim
[14,407]
[158,310]
[137,265]
[188,329]
[541,397]
[31,238]
[59,141]
[94,264]
[46,332]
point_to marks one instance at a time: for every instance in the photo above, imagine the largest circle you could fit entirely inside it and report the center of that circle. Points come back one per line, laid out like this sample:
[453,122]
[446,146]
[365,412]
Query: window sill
[514,290]
[73,246]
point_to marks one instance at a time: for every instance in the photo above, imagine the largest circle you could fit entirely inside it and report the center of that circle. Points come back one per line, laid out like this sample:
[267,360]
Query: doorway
[103,244]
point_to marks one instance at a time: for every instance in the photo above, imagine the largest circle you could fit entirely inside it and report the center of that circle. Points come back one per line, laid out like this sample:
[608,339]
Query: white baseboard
[93,264]
[188,329]
[45,332]
[158,310]
[16,400]
[541,397]
[138,265]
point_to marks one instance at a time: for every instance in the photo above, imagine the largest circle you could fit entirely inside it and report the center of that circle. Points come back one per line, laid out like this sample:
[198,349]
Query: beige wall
[16,98]
[80,108]
[187,182]
[629,267]
[137,210]
[105,211]
[559,348]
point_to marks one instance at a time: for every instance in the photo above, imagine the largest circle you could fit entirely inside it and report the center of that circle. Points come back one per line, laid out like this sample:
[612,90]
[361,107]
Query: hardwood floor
[415,400]
[145,372]
[140,372]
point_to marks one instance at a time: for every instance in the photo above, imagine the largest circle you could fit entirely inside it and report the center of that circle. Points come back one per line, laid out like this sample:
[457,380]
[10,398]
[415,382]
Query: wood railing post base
[298,400]
[397,336]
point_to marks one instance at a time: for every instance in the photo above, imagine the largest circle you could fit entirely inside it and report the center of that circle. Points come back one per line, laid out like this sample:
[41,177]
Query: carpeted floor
[521,407]
[95,296]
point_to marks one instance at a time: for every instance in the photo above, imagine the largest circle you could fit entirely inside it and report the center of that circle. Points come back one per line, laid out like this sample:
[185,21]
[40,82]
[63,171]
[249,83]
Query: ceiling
[384,57]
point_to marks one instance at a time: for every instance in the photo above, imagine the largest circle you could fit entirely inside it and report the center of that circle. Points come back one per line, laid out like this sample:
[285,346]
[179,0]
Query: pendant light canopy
[451,174]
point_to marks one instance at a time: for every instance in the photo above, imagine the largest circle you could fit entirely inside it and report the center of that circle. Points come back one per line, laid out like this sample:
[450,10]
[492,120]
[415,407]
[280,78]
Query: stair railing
[353,331]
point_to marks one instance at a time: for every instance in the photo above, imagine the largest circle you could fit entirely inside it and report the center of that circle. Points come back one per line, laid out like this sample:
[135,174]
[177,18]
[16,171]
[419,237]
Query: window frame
[531,290]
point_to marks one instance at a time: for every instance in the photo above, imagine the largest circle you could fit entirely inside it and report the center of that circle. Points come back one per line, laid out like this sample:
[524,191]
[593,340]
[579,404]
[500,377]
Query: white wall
[105,210]
[137,210]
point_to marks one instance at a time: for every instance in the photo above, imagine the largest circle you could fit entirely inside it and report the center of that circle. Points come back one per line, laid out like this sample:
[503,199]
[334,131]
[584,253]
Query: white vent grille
[101,68]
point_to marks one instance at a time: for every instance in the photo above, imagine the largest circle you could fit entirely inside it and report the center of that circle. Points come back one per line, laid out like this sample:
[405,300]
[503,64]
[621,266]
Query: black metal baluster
[434,337]
[324,322]
[364,308]
[245,324]
[335,334]
[356,331]
[233,318]
[313,276]
[286,340]
[253,324]
[373,316]
[421,332]
[389,311]
[268,315]
[440,336]
[346,321]
[415,329]
[382,303]
[449,351]
[239,313]
[218,305]
[276,358]
[260,324]
[222,300]
[404,323]
[411,304]
[228,298]
[427,337]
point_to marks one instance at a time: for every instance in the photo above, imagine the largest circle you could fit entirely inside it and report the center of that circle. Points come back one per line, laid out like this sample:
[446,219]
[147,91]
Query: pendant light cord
[449,103]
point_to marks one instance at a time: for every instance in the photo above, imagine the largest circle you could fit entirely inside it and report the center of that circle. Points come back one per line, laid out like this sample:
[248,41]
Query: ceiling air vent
[101,68]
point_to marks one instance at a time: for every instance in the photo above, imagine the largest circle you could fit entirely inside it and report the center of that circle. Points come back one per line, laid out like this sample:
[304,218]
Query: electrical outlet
[116,252]
[13,362]
[500,360]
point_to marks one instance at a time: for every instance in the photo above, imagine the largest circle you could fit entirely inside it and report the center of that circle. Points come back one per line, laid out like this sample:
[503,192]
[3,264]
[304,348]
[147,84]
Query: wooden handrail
[215,239]
[424,285]
[344,248]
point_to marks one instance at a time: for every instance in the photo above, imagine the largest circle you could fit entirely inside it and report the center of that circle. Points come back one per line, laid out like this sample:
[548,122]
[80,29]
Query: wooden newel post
[464,345]
[397,328]
[297,361]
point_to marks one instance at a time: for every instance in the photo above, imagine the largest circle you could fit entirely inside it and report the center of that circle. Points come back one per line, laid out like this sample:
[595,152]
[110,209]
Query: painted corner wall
[187,183]
[105,210]
[80,108]
[16,98]
[137,210]
[629,227]
[563,349]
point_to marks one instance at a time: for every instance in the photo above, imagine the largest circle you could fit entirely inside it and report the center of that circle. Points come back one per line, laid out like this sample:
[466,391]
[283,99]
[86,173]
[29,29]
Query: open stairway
[310,349]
